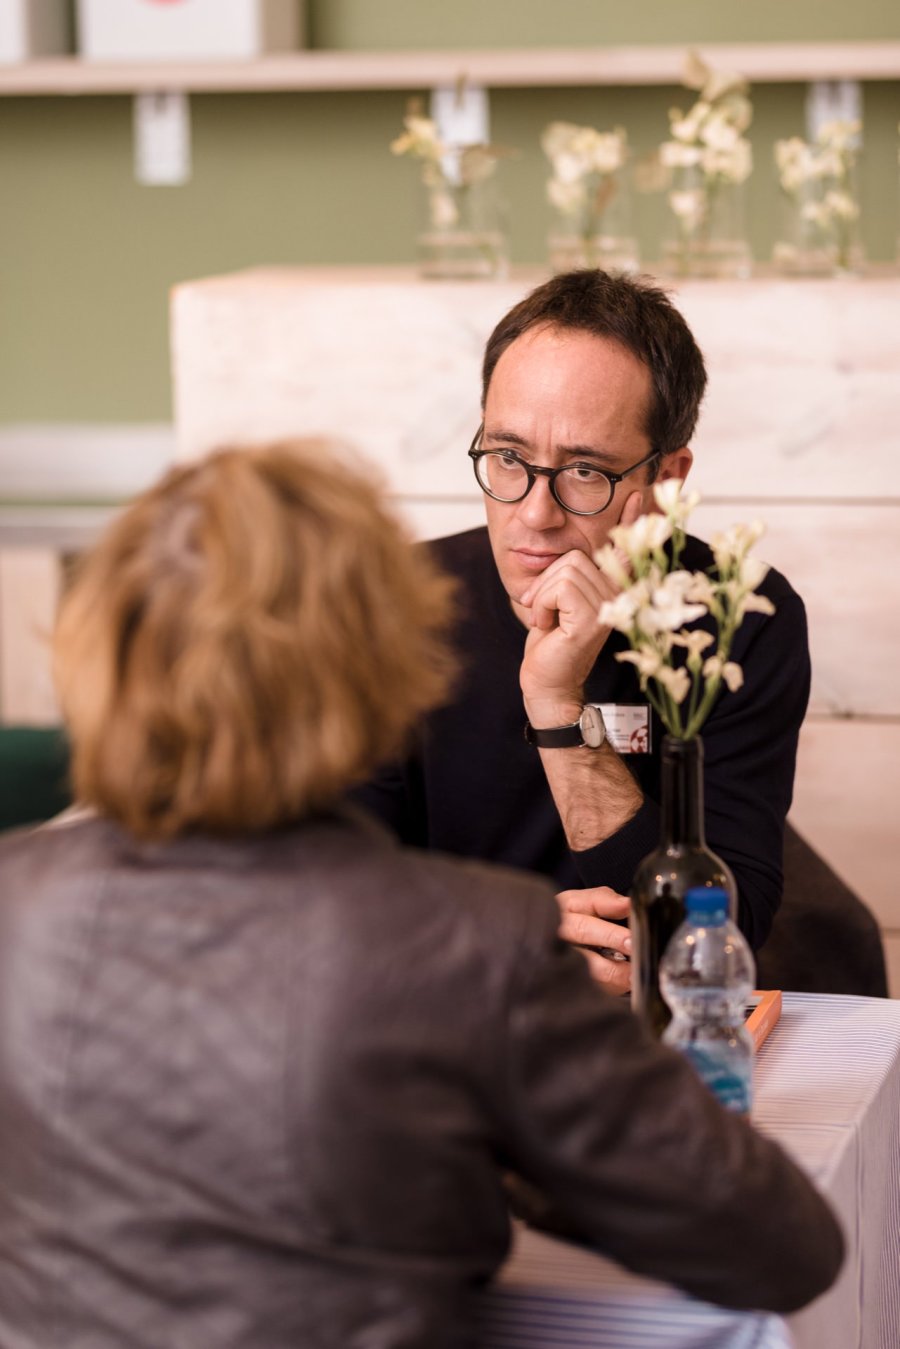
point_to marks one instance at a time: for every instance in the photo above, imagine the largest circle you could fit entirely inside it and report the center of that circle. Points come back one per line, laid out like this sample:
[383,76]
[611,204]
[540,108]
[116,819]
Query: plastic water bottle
[706,976]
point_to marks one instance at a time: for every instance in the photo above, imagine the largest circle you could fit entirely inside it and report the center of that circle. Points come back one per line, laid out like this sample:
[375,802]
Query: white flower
[689,206]
[608,153]
[566,197]
[582,158]
[674,155]
[752,572]
[839,134]
[701,590]
[731,546]
[754,604]
[718,133]
[621,612]
[667,495]
[569,168]
[717,668]
[694,643]
[734,163]
[669,609]
[695,72]
[648,533]
[610,563]
[646,661]
[659,600]
[557,138]
[713,84]
[444,166]
[420,138]
[842,205]
[687,129]
[677,683]
[708,137]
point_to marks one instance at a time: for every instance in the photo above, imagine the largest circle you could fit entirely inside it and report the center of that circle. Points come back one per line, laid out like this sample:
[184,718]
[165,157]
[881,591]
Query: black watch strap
[588,731]
[555,737]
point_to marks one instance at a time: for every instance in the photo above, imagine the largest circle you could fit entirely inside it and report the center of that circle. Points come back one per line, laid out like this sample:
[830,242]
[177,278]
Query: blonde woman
[260,1067]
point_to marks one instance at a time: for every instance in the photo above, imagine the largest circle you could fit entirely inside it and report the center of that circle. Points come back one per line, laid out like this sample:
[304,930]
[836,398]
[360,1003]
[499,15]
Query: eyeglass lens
[580,488]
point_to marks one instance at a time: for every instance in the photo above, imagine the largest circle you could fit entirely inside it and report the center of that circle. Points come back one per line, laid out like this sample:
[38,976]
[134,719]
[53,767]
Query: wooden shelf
[539,66]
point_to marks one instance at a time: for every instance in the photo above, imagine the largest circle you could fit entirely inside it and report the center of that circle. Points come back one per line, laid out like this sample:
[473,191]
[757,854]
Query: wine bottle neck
[682,793]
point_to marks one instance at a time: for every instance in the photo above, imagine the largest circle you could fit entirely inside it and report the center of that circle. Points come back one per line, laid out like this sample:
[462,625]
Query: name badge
[627,727]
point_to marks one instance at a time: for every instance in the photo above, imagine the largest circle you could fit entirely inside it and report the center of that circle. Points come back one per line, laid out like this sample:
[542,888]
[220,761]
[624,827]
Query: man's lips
[532,560]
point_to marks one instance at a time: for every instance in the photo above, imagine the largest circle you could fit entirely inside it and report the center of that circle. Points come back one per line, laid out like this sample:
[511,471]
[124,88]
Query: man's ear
[675,465]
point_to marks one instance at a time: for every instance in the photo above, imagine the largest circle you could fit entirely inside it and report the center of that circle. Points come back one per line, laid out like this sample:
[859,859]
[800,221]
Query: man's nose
[540,509]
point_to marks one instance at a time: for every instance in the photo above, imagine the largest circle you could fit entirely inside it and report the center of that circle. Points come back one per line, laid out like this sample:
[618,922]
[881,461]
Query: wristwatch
[588,731]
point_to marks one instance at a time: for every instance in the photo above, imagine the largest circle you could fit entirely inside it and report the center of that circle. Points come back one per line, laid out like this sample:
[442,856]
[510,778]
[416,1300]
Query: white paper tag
[627,727]
[162,139]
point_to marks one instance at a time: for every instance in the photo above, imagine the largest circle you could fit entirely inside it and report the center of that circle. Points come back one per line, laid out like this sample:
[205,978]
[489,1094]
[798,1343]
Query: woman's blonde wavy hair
[250,638]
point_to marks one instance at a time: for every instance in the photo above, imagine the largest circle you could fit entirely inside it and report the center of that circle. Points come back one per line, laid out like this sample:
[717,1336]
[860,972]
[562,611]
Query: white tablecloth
[827,1087]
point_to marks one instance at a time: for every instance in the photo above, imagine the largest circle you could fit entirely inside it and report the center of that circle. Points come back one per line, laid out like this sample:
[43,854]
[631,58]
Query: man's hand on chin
[561,609]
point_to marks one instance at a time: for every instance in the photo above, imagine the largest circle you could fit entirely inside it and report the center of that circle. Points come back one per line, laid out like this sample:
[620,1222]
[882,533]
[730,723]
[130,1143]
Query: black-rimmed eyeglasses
[580,488]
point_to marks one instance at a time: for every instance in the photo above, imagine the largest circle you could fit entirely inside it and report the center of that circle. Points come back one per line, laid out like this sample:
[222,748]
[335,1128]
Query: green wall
[390,24]
[87,257]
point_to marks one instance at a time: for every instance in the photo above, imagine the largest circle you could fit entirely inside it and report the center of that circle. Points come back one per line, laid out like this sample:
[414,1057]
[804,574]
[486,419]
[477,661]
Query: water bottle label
[723,1077]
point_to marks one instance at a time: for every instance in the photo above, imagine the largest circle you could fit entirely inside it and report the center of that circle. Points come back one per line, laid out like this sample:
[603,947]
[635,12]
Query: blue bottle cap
[706,901]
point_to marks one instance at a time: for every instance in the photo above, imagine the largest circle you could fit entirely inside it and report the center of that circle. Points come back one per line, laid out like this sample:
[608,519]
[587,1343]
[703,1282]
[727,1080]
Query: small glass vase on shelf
[683,670]
[707,235]
[709,159]
[820,202]
[590,193]
[463,234]
[681,862]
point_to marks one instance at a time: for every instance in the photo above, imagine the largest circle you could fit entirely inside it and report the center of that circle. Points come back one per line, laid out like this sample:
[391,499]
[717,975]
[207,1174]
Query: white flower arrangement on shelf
[584,163]
[445,168]
[708,139]
[681,669]
[590,191]
[817,178]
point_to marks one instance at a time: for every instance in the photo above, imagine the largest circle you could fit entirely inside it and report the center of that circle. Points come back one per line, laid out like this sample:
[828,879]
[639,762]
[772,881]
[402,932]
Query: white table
[827,1087]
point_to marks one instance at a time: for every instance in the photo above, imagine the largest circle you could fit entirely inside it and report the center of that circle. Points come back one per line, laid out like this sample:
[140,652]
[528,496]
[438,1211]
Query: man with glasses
[591,391]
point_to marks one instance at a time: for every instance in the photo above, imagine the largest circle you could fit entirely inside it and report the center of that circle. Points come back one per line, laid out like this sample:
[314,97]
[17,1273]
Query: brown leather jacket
[260,1094]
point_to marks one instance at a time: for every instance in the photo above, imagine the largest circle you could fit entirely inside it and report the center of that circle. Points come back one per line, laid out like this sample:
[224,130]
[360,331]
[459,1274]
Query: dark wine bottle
[681,861]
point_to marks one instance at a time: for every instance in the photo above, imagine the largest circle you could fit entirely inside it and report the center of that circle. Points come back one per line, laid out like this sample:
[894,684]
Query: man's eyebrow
[580,452]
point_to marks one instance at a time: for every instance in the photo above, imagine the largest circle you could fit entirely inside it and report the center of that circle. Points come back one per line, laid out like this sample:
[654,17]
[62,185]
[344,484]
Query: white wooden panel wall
[54,468]
[29,588]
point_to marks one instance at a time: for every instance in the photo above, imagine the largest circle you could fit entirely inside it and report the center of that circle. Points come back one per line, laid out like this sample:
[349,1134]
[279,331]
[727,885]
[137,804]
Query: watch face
[592,727]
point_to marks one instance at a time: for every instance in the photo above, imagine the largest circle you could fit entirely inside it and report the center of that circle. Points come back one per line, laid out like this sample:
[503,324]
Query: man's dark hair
[639,316]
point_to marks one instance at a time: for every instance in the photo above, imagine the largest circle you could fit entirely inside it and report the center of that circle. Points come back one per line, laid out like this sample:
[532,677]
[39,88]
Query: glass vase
[820,233]
[706,235]
[463,235]
[681,861]
[598,230]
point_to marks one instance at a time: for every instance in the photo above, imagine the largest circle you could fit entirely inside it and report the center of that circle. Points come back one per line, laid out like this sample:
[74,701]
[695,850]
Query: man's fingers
[598,900]
[567,593]
[583,930]
[614,975]
[632,509]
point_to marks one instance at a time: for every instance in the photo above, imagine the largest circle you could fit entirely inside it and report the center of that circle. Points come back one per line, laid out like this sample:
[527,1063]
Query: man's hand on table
[585,922]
